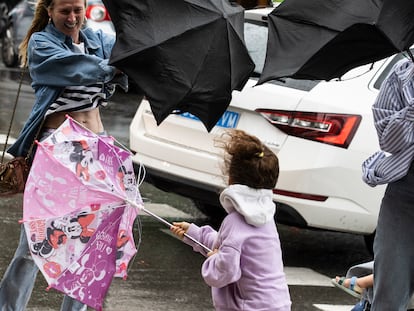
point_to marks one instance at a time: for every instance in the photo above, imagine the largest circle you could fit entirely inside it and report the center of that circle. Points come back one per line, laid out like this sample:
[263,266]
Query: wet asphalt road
[161,277]
[165,274]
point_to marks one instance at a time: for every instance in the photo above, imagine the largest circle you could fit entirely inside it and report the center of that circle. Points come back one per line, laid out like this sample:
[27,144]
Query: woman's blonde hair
[248,161]
[39,22]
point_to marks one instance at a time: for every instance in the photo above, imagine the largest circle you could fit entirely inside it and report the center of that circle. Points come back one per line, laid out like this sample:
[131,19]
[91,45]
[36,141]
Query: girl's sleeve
[394,115]
[54,65]
[206,235]
[223,267]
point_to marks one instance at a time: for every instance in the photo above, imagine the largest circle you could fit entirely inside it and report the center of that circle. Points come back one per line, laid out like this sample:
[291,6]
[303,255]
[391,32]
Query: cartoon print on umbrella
[185,55]
[324,39]
[77,219]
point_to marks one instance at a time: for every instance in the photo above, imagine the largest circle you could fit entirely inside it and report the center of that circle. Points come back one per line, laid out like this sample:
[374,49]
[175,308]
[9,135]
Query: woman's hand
[179,228]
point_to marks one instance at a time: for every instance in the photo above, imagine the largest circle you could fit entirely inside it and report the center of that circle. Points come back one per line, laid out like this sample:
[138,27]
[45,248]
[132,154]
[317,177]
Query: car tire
[214,212]
[8,49]
[369,242]
[3,18]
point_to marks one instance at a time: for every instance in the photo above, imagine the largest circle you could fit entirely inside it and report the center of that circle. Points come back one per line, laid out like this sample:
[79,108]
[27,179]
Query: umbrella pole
[171,225]
[168,224]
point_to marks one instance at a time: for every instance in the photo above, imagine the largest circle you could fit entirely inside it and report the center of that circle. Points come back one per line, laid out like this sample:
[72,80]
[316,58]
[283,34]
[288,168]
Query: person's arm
[223,267]
[54,65]
[206,235]
[394,114]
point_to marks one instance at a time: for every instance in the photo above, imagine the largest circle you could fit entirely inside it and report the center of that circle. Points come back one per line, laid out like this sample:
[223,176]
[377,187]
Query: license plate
[229,119]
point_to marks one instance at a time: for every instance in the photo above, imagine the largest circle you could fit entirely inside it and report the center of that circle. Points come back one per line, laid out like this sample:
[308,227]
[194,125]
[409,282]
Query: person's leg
[393,247]
[19,278]
[70,304]
[362,282]
[366,281]
[362,269]
[362,305]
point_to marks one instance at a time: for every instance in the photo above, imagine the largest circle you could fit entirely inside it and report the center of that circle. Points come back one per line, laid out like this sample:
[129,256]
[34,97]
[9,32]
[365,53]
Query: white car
[321,132]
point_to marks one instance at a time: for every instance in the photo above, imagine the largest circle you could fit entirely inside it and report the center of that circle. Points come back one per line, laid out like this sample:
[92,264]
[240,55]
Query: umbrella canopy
[78,212]
[323,39]
[185,55]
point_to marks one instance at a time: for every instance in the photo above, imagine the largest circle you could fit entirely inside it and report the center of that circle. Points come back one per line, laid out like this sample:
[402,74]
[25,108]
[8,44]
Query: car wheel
[369,242]
[8,49]
[214,212]
[3,18]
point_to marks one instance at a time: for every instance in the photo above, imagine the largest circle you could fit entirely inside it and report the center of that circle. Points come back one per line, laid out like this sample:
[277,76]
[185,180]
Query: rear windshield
[255,35]
[385,72]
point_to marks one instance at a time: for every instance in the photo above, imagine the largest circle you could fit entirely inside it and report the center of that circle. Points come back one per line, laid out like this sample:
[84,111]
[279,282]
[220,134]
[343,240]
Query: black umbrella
[323,39]
[185,55]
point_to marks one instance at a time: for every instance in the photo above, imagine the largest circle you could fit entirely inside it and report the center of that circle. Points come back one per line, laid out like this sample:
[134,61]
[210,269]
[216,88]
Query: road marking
[306,277]
[323,307]
[3,138]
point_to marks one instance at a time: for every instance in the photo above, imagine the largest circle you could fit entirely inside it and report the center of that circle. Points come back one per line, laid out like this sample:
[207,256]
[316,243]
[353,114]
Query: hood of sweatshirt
[256,205]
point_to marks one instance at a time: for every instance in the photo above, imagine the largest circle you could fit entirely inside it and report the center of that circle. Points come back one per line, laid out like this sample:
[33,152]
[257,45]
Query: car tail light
[97,13]
[328,128]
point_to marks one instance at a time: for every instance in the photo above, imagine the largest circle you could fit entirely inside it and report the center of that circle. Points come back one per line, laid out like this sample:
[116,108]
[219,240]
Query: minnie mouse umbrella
[80,203]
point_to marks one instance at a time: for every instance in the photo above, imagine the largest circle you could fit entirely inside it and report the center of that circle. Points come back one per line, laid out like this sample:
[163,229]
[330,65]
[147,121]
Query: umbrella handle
[170,225]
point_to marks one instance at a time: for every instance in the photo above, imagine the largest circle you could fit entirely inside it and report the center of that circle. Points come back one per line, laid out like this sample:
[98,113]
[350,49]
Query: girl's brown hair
[248,161]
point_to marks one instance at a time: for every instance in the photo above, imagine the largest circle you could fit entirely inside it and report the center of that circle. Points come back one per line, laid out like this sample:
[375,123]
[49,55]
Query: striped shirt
[79,98]
[393,113]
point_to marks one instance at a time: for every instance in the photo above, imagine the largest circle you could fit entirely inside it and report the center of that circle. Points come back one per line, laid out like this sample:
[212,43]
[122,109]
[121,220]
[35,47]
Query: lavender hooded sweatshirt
[247,272]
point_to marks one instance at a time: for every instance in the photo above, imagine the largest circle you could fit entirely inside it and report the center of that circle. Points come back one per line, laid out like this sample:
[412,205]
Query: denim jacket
[53,66]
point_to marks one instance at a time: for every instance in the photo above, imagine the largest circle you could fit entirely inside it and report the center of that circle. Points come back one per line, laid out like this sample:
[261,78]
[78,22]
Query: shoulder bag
[13,173]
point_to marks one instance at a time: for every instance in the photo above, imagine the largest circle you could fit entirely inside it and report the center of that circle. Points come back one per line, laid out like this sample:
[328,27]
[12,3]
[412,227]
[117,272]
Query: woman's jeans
[394,247]
[20,276]
[19,279]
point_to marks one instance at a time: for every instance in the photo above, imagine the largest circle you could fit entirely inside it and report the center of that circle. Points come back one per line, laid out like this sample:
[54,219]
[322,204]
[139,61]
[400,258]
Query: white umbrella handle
[141,207]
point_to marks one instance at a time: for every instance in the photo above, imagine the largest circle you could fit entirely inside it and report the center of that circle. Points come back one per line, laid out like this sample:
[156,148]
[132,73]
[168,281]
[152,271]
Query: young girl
[245,268]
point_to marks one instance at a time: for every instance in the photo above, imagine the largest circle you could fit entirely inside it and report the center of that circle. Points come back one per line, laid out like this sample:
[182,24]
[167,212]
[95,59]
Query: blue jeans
[363,305]
[19,278]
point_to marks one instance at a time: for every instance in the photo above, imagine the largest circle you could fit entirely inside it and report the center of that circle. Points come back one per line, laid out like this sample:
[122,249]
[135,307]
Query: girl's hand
[215,251]
[179,228]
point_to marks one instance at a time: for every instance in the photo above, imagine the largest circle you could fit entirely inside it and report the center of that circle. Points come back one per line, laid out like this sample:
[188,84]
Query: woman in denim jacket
[62,58]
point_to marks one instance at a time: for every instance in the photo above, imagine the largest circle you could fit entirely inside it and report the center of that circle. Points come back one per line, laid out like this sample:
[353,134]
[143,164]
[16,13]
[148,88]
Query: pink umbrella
[80,203]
